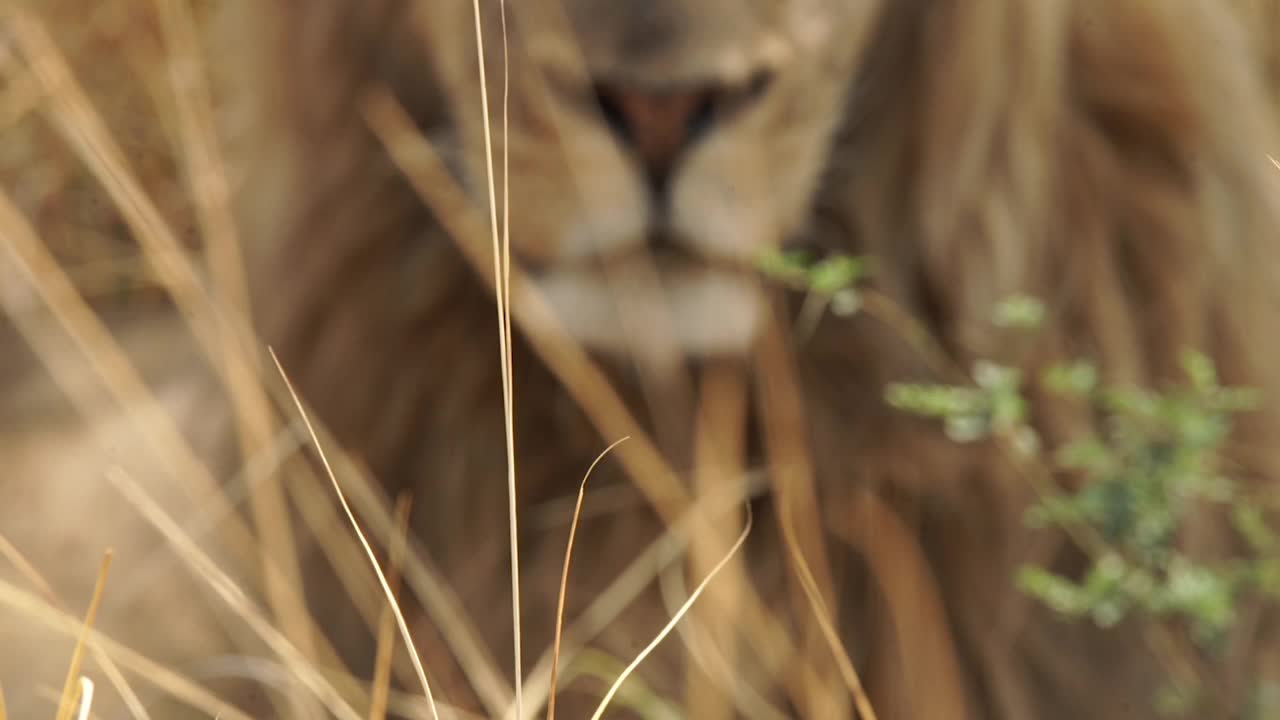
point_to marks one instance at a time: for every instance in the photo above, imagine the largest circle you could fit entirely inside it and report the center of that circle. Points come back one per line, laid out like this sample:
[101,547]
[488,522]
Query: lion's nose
[657,126]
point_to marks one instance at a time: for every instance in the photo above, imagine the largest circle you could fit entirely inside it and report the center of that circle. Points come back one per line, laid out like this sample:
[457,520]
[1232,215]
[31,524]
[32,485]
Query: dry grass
[386,621]
[364,542]
[113,194]
[589,387]
[115,50]
[128,148]
[73,690]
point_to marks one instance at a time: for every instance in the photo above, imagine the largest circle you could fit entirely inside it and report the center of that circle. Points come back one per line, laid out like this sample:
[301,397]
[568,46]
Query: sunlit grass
[373,559]
[210,290]
[218,321]
[73,696]
[564,584]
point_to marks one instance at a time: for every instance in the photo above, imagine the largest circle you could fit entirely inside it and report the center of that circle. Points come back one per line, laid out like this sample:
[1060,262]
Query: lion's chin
[692,309]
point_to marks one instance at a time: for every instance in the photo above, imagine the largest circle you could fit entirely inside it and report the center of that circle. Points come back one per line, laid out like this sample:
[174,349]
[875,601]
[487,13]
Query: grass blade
[693,597]
[386,622]
[67,704]
[86,698]
[373,560]
[564,582]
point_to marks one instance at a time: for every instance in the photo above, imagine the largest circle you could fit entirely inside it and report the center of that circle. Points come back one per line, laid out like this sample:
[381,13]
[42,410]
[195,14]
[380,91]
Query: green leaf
[1020,312]
[1057,592]
[990,376]
[936,400]
[1251,523]
[1079,378]
[966,428]
[785,265]
[1090,455]
[1200,370]
[835,274]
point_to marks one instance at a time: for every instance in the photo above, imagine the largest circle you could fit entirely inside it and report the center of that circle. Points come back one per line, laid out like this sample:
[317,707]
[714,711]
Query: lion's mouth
[660,295]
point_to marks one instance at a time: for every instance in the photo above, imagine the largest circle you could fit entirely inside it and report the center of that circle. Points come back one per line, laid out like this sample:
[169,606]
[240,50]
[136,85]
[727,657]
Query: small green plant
[992,406]
[1156,465]
[1152,464]
[830,282]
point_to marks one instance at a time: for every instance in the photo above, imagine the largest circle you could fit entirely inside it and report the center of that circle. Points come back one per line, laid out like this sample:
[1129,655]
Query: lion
[1106,156]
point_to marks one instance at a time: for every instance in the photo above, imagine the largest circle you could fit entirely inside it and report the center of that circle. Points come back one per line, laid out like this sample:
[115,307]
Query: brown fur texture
[1108,156]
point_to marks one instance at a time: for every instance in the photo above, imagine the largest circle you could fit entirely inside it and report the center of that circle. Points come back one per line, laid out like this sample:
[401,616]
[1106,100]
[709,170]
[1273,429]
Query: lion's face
[656,148]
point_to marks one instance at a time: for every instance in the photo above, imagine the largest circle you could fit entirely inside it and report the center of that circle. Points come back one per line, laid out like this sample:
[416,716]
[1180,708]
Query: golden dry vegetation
[117,52]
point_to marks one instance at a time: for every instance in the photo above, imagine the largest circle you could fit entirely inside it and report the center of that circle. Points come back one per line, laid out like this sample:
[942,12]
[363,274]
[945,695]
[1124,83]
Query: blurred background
[117,53]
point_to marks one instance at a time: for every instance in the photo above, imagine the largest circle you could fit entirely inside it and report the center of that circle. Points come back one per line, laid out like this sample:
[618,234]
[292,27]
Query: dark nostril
[702,116]
[658,125]
[612,113]
[758,84]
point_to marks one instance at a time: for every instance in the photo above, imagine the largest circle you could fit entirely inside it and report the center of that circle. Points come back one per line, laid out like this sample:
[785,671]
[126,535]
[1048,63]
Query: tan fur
[1108,156]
